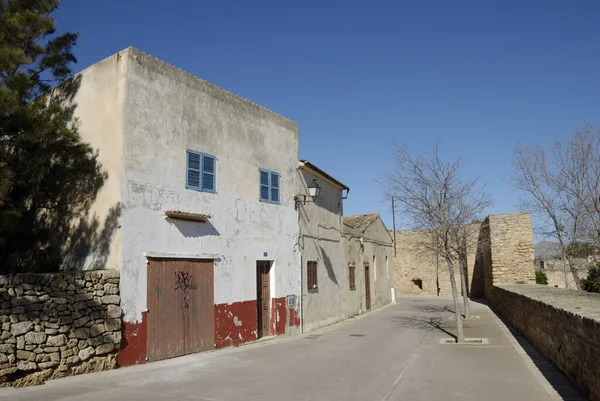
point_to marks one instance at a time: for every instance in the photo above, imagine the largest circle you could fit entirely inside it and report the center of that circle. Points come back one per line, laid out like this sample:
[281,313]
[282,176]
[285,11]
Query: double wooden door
[180,307]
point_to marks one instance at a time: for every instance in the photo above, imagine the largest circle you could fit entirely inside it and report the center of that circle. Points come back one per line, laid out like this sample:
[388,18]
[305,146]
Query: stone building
[204,183]
[345,265]
[369,248]
[208,215]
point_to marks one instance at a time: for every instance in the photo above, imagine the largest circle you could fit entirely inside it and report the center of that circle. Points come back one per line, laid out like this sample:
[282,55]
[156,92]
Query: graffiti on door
[183,282]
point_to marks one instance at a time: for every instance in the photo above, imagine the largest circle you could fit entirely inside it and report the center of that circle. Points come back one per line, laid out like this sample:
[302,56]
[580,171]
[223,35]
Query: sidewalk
[507,367]
[388,354]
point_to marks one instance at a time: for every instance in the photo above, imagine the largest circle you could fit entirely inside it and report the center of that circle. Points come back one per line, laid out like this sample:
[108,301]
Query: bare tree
[435,197]
[562,190]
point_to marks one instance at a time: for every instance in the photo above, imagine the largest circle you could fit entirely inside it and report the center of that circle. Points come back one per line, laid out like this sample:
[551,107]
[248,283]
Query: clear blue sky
[476,76]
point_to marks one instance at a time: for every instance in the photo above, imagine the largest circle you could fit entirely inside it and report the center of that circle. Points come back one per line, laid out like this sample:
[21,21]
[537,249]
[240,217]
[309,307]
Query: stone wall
[511,250]
[564,325]
[499,250]
[55,325]
[554,270]
[416,264]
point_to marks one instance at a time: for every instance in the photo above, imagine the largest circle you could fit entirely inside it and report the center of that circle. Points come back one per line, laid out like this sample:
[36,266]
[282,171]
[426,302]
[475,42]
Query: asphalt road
[393,353]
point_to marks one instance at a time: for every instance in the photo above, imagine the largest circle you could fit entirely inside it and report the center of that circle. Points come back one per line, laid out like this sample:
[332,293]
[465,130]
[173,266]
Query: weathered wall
[564,325]
[375,247]
[511,251]
[324,238]
[99,93]
[500,250]
[168,111]
[321,241]
[55,325]
[416,261]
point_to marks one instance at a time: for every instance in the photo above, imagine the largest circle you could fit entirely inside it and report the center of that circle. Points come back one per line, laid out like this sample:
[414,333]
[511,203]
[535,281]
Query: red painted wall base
[235,324]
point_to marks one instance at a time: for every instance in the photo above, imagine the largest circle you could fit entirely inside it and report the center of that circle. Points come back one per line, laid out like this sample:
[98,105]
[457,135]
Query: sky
[358,77]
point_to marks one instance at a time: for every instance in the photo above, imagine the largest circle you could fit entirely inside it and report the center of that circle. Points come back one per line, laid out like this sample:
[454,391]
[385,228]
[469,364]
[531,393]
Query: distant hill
[547,250]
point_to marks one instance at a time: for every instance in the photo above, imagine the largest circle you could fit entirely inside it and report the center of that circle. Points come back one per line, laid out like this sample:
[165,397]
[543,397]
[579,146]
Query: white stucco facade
[151,115]
[144,117]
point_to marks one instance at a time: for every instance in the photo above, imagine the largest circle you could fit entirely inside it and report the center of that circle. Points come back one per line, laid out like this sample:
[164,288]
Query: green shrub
[541,278]
[592,281]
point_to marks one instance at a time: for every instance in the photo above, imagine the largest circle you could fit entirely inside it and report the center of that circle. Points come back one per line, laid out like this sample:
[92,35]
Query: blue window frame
[201,171]
[268,186]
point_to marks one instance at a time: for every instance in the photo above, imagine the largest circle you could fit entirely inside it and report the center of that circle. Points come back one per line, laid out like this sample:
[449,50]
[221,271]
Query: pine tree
[48,176]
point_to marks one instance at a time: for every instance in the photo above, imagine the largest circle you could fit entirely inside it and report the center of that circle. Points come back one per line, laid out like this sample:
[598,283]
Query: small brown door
[263,297]
[367,287]
[180,307]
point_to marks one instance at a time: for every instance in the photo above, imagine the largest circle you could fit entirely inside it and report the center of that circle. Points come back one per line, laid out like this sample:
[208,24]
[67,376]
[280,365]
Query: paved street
[389,354]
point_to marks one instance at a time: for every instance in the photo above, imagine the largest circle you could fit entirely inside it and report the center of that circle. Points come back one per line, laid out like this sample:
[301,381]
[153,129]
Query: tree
[541,277]
[592,281]
[48,176]
[435,197]
[562,190]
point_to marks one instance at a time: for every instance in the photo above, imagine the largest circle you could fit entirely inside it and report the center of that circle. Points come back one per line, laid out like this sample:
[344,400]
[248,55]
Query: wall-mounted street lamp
[313,192]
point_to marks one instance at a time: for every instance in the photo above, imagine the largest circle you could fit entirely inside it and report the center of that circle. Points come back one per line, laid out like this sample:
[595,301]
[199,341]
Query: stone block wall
[60,324]
[511,252]
[563,324]
[499,250]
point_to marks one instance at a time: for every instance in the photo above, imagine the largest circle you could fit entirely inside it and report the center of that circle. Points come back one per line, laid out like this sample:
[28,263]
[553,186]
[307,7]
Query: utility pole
[394,224]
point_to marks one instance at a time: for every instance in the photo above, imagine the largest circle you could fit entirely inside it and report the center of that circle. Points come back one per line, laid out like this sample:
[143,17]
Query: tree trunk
[572,267]
[564,257]
[575,273]
[460,337]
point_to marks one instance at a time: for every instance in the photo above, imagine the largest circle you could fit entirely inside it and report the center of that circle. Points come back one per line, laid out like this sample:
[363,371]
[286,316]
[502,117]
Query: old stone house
[369,254]
[208,215]
[203,182]
[345,265]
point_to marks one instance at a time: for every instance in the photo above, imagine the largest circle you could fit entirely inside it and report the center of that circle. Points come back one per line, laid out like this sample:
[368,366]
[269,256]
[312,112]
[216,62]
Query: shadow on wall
[60,324]
[46,212]
[191,229]
[329,267]
[89,246]
[483,246]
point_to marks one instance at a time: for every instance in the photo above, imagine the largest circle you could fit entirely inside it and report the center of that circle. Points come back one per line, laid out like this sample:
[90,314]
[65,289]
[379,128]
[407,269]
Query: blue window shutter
[274,187]
[208,173]
[264,185]
[193,170]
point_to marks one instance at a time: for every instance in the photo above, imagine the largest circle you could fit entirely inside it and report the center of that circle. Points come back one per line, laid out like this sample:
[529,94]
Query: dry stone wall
[55,325]
[563,324]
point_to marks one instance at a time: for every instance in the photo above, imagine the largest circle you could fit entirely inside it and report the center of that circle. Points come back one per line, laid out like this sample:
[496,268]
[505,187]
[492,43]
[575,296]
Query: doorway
[367,286]
[263,297]
[180,307]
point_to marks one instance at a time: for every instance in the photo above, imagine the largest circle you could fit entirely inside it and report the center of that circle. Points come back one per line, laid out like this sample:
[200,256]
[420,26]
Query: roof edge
[306,164]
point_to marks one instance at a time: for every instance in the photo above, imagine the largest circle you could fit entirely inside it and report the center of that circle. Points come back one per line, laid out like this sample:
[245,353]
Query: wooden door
[367,287]
[263,298]
[180,307]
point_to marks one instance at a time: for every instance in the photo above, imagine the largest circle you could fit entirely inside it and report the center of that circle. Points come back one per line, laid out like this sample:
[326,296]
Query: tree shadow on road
[434,308]
[424,323]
